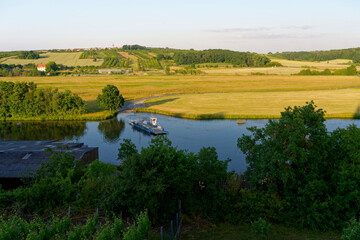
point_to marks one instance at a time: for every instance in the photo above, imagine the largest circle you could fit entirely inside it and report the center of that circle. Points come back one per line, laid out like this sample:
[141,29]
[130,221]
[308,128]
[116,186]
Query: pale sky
[254,25]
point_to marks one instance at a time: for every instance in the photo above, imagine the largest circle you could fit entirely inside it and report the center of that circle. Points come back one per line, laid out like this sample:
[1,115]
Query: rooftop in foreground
[25,157]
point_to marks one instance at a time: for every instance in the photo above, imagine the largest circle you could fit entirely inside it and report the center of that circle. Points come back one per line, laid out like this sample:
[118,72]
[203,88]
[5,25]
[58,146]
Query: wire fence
[172,231]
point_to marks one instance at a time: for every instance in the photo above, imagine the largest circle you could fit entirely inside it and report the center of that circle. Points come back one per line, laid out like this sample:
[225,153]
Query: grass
[237,96]
[227,231]
[333,64]
[337,103]
[97,116]
[67,59]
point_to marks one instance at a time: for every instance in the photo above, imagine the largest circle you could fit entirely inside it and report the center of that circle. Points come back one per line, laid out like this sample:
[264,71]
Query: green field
[67,59]
[249,96]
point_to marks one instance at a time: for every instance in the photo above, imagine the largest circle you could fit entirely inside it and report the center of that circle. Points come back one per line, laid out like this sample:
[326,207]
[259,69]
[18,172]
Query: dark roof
[20,157]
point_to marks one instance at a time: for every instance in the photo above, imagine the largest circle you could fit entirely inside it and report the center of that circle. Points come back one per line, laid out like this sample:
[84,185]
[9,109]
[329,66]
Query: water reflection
[111,129]
[50,130]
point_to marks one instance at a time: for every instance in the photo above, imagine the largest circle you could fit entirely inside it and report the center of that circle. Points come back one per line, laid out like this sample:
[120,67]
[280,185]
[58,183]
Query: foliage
[217,55]
[306,167]
[261,228]
[28,55]
[351,53]
[133,47]
[15,227]
[348,71]
[23,99]
[159,175]
[51,67]
[110,98]
[352,231]
[89,54]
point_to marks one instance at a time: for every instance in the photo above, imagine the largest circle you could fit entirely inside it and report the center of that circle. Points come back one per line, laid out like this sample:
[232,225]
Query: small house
[41,67]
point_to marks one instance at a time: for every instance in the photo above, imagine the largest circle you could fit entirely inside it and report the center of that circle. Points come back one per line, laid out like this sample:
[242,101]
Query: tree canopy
[350,53]
[243,59]
[314,173]
[110,98]
[22,99]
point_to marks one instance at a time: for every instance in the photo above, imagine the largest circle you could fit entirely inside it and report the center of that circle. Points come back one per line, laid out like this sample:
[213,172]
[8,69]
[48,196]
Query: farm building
[41,67]
[19,158]
[108,71]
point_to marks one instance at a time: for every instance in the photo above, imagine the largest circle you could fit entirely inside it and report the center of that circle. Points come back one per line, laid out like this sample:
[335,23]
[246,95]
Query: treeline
[28,55]
[351,53]
[10,70]
[350,71]
[133,47]
[241,59]
[23,100]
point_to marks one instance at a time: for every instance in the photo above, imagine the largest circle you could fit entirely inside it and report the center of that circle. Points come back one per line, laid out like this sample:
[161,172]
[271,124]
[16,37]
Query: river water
[186,134]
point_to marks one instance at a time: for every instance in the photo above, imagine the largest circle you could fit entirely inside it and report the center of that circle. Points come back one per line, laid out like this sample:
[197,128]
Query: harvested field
[67,59]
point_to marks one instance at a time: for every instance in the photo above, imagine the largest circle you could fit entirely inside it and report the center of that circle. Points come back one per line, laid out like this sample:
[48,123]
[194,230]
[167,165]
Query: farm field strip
[344,102]
[68,59]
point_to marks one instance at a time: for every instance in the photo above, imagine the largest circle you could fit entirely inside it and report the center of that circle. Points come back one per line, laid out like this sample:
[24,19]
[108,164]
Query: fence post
[161,233]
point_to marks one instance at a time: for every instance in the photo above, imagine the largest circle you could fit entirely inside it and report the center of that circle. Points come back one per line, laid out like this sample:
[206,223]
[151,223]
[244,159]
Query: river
[186,134]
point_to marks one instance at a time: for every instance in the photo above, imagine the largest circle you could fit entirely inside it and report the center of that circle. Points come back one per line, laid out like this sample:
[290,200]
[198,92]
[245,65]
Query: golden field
[245,95]
[67,59]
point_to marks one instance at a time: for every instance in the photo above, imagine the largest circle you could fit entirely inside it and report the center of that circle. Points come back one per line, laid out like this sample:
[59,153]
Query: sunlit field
[67,59]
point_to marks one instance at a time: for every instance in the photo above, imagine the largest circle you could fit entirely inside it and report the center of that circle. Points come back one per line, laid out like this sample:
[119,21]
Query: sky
[260,26]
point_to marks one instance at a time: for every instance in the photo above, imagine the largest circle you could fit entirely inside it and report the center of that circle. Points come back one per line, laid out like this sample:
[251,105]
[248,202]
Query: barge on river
[149,126]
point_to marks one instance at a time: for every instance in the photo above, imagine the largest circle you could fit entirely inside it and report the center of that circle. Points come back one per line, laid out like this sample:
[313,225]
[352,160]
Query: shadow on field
[357,113]
[150,104]
[92,106]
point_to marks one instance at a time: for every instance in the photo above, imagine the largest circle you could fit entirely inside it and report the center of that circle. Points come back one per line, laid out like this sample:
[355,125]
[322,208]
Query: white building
[41,67]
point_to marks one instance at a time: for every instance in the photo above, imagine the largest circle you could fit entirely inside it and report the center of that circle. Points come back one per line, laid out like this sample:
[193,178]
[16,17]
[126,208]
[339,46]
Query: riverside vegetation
[299,174]
[24,101]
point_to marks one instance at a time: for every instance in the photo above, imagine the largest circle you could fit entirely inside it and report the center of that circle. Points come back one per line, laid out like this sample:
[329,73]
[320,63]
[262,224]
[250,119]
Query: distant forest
[351,53]
[242,59]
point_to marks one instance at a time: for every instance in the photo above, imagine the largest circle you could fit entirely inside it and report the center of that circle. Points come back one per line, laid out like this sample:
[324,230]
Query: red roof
[41,65]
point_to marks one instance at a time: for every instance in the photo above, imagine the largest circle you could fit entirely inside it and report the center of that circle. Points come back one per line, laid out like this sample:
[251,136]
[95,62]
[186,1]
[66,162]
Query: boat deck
[148,128]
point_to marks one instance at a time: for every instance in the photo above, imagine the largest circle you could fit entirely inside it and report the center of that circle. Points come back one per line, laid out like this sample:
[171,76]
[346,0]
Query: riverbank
[96,116]
[339,103]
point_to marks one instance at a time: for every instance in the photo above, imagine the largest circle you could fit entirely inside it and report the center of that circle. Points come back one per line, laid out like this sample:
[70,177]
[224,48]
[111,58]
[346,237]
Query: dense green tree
[51,67]
[296,158]
[110,98]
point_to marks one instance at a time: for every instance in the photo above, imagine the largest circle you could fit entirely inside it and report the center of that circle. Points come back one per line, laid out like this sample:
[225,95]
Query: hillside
[350,53]
[140,57]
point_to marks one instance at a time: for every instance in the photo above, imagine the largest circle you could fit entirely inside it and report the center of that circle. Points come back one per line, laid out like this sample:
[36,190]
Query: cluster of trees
[162,56]
[349,71]
[28,55]
[133,47]
[10,70]
[312,174]
[22,99]
[351,53]
[189,70]
[242,59]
